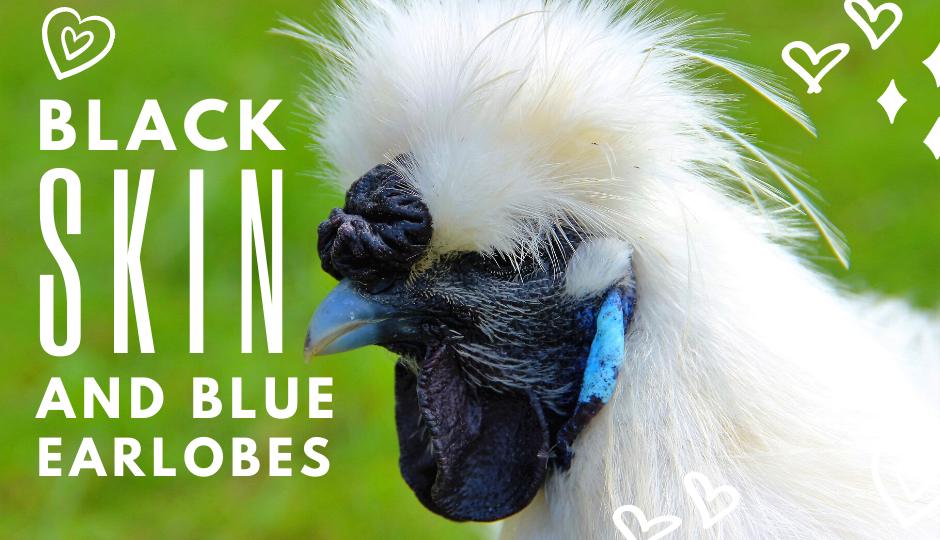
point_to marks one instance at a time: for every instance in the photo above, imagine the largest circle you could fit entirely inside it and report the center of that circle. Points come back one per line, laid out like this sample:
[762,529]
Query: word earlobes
[127,451]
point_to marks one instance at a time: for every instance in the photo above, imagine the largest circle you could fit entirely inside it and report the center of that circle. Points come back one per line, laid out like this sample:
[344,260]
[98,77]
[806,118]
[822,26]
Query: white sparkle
[892,101]
[933,139]
[933,64]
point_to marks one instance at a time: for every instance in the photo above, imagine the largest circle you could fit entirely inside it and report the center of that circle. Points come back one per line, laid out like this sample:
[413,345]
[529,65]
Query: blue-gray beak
[347,320]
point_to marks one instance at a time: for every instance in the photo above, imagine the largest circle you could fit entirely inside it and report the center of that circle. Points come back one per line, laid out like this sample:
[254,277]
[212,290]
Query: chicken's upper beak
[348,319]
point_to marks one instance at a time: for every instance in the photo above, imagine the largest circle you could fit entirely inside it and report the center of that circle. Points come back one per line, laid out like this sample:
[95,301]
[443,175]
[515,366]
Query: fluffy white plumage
[743,362]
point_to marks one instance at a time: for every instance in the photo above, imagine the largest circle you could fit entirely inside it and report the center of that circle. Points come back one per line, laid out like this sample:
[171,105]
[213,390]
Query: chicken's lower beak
[348,320]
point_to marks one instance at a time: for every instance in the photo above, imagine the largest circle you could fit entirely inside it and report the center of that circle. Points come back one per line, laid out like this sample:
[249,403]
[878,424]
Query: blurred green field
[881,182]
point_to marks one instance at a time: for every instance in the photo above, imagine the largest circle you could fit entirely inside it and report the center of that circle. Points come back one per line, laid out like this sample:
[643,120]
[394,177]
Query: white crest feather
[514,67]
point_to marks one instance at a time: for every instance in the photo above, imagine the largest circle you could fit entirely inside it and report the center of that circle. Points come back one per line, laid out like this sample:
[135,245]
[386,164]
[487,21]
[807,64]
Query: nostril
[382,285]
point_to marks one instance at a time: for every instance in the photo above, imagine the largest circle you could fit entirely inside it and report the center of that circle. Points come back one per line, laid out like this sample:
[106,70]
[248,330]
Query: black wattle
[469,454]
[416,461]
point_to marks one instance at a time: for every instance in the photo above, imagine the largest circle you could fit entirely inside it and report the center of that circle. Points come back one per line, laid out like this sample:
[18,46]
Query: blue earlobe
[603,364]
[602,367]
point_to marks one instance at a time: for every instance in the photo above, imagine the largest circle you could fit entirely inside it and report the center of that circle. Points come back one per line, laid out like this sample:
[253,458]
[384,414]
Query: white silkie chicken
[594,289]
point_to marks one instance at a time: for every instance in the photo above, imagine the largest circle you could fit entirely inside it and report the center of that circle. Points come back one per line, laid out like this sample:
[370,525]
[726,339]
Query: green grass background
[881,182]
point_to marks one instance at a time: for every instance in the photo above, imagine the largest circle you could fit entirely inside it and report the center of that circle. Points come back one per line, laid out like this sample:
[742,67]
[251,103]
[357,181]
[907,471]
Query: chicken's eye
[506,268]
[550,261]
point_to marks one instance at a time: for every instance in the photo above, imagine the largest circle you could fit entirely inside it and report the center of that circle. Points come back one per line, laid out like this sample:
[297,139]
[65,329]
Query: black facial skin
[483,393]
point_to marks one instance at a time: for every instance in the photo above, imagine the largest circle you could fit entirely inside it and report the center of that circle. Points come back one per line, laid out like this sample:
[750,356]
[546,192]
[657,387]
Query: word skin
[128,240]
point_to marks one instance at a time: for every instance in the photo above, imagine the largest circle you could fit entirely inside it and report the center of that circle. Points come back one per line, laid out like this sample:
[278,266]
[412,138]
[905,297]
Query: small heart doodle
[815,58]
[709,520]
[674,522]
[873,14]
[921,510]
[74,51]
[69,54]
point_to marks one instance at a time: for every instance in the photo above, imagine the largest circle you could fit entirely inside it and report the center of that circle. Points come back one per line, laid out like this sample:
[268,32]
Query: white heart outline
[913,496]
[873,15]
[70,55]
[815,58]
[906,522]
[644,524]
[45,42]
[903,471]
[709,521]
